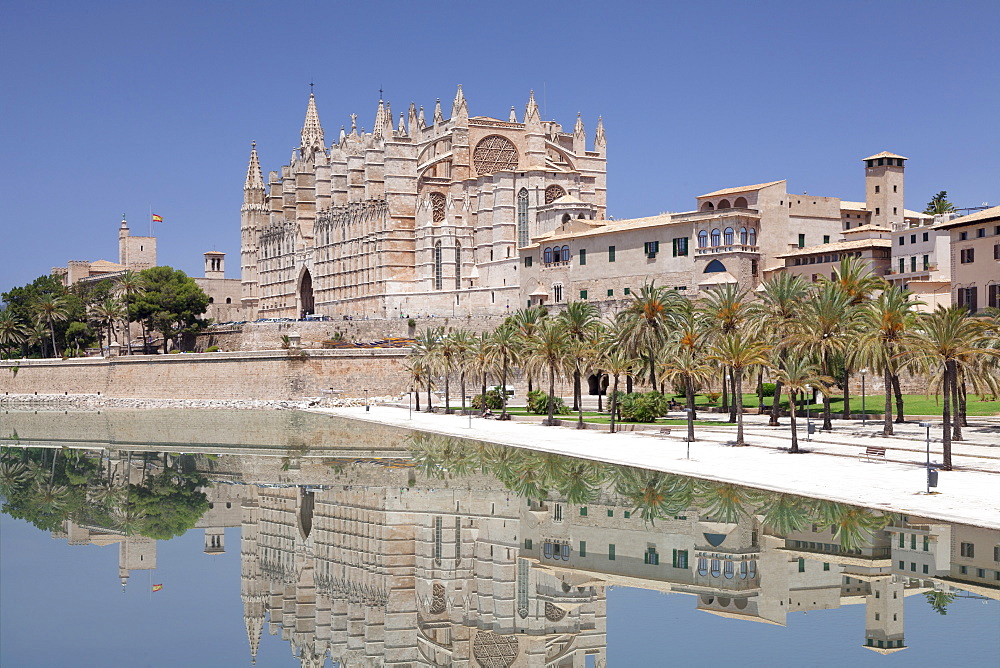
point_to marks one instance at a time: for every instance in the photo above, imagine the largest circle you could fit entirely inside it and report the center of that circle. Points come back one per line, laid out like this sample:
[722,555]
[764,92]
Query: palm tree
[884,322]
[797,373]
[481,364]
[784,513]
[427,350]
[584,356]
[826,327]
[106,313]
[645,322]
[419,373]
[739,353]
[854,277]
[680,365]
[939,204]
[725,309]
[726,502]
[943,343]
[618,362]
[853,526]
[447,361]
[130,284]
[52,309]
[547,352]
[11,331]
[649,492]
[581,320]
[504,349]
[462,342]
[780,299]
[526,321]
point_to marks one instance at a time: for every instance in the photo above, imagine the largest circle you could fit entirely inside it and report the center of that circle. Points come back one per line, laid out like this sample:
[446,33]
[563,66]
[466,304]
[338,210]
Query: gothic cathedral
[413,219]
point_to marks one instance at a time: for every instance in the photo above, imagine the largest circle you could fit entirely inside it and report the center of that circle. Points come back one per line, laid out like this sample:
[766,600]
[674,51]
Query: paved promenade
[834,467]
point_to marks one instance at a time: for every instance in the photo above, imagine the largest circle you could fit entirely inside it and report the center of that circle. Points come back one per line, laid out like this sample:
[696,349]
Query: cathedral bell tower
[253,217]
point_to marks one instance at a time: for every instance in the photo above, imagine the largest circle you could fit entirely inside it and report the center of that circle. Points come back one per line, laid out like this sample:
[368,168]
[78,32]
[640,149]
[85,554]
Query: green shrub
[212,349]
[493,400]
[713,397]
[767,389]
[175,351]
[411,323]
[538,403]
[638,407]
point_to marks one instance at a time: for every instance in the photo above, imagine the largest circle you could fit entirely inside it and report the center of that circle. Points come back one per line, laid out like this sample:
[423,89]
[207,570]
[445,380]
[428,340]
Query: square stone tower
[884,188]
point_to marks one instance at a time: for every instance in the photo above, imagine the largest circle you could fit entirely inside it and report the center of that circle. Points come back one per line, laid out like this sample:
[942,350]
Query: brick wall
[228,376]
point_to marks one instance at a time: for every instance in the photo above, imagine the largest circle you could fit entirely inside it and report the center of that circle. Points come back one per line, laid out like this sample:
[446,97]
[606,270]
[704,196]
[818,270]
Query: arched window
[716,568]
[740,203]
[714,267]
[743,570]
[728,570]
[753,569]
[703,239]
[702,566]
[438,202]
[557,291]
[523,237]
[743,236]
[547,256]
[707,206]
[438,269]
[458,266]
[565,254]
[752,237]
[566,218]
[716,237]
[724,204]
[729,236]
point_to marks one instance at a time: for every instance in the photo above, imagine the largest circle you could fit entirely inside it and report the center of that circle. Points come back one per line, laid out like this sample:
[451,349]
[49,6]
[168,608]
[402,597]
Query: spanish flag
[157,218]
[157,587]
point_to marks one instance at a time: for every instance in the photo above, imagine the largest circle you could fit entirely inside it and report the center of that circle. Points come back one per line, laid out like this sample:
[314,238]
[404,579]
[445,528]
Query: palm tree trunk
[733,403]
[503,390]
[847,393]
[887,416]
[900,418]
[552,395]
[579,412]
[417,393]
[946,418]
[52,329]
[484,393]
[956,418]
[775,405]
[652,368]
[963,403]
[827,416]
[628,384]
[760,392]
[447,392]
[462,381]
[576,391]
[738,404]
[530,388]
[430,408]
[614,400]
[791,415]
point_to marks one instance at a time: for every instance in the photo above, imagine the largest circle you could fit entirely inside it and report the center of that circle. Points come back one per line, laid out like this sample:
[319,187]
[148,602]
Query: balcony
[731,248]
[716,215]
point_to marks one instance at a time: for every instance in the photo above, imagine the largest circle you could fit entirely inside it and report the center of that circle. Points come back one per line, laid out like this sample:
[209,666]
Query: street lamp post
[808,415]
[367,407]
[690,437]
[864,413]
[927,426]
[411,402]
[468,400]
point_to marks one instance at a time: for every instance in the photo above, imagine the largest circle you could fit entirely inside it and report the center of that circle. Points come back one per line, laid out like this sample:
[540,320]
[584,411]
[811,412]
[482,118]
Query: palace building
[423,216]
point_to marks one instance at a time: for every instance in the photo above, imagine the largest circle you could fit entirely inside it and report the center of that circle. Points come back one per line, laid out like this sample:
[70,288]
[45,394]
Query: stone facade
[423,217]
[975,258]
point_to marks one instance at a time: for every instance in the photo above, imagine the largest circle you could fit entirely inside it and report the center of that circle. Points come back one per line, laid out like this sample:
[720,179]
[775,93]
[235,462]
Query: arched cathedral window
[522,218]
[438,202]
[552,193]
[438,275]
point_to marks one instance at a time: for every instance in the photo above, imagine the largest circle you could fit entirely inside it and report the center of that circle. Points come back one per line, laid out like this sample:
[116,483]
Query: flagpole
[150,220]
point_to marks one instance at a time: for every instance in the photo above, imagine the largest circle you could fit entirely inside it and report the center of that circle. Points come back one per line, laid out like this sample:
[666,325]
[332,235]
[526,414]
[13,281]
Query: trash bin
[932,476]
[811,428]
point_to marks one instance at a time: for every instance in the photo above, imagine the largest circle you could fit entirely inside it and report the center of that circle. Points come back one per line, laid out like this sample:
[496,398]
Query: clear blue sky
[112,107]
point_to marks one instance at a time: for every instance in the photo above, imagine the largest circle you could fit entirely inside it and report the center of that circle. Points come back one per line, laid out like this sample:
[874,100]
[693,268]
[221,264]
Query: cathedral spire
[387,122]
[312,130]
[413,119]
[600,141]
[513,115]
[459,108]
[531,116]
[438,116]
[579,136]
[379,119]
[255,178]
[401,130]
[421,120]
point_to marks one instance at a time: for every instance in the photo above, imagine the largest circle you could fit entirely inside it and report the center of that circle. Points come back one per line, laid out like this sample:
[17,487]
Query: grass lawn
[913,404]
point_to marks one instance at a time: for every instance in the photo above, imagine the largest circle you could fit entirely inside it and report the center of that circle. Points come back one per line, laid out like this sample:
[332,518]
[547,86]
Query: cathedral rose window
[495,154]
[437,206]
[552,193]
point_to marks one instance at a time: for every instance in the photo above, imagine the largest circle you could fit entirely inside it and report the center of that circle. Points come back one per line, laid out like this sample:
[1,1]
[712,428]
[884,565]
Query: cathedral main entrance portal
[306,302]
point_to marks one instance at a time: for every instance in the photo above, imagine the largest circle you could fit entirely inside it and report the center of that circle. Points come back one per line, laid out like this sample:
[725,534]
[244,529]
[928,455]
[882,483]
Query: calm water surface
[212,538]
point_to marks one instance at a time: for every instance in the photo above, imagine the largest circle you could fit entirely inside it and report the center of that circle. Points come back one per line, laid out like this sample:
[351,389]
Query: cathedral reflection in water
[403,561]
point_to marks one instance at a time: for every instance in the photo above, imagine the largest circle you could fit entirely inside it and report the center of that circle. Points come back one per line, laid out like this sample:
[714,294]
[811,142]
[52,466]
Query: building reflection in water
[458,553]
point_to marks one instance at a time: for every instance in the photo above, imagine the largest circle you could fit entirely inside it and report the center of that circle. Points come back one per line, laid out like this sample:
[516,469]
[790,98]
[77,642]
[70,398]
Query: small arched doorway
[307,305]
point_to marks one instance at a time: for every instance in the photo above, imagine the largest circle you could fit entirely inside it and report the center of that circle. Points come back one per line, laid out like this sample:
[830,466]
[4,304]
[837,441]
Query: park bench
[664,431]
[874,451]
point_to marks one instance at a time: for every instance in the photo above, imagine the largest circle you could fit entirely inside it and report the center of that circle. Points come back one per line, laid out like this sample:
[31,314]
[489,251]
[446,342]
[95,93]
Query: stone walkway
[834,467]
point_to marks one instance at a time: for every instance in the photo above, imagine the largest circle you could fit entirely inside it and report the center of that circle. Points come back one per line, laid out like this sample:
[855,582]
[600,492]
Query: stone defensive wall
[243,376]
[267,335]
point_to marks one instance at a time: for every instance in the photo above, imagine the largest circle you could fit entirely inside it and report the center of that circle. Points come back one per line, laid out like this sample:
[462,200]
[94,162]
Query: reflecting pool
[225,538]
